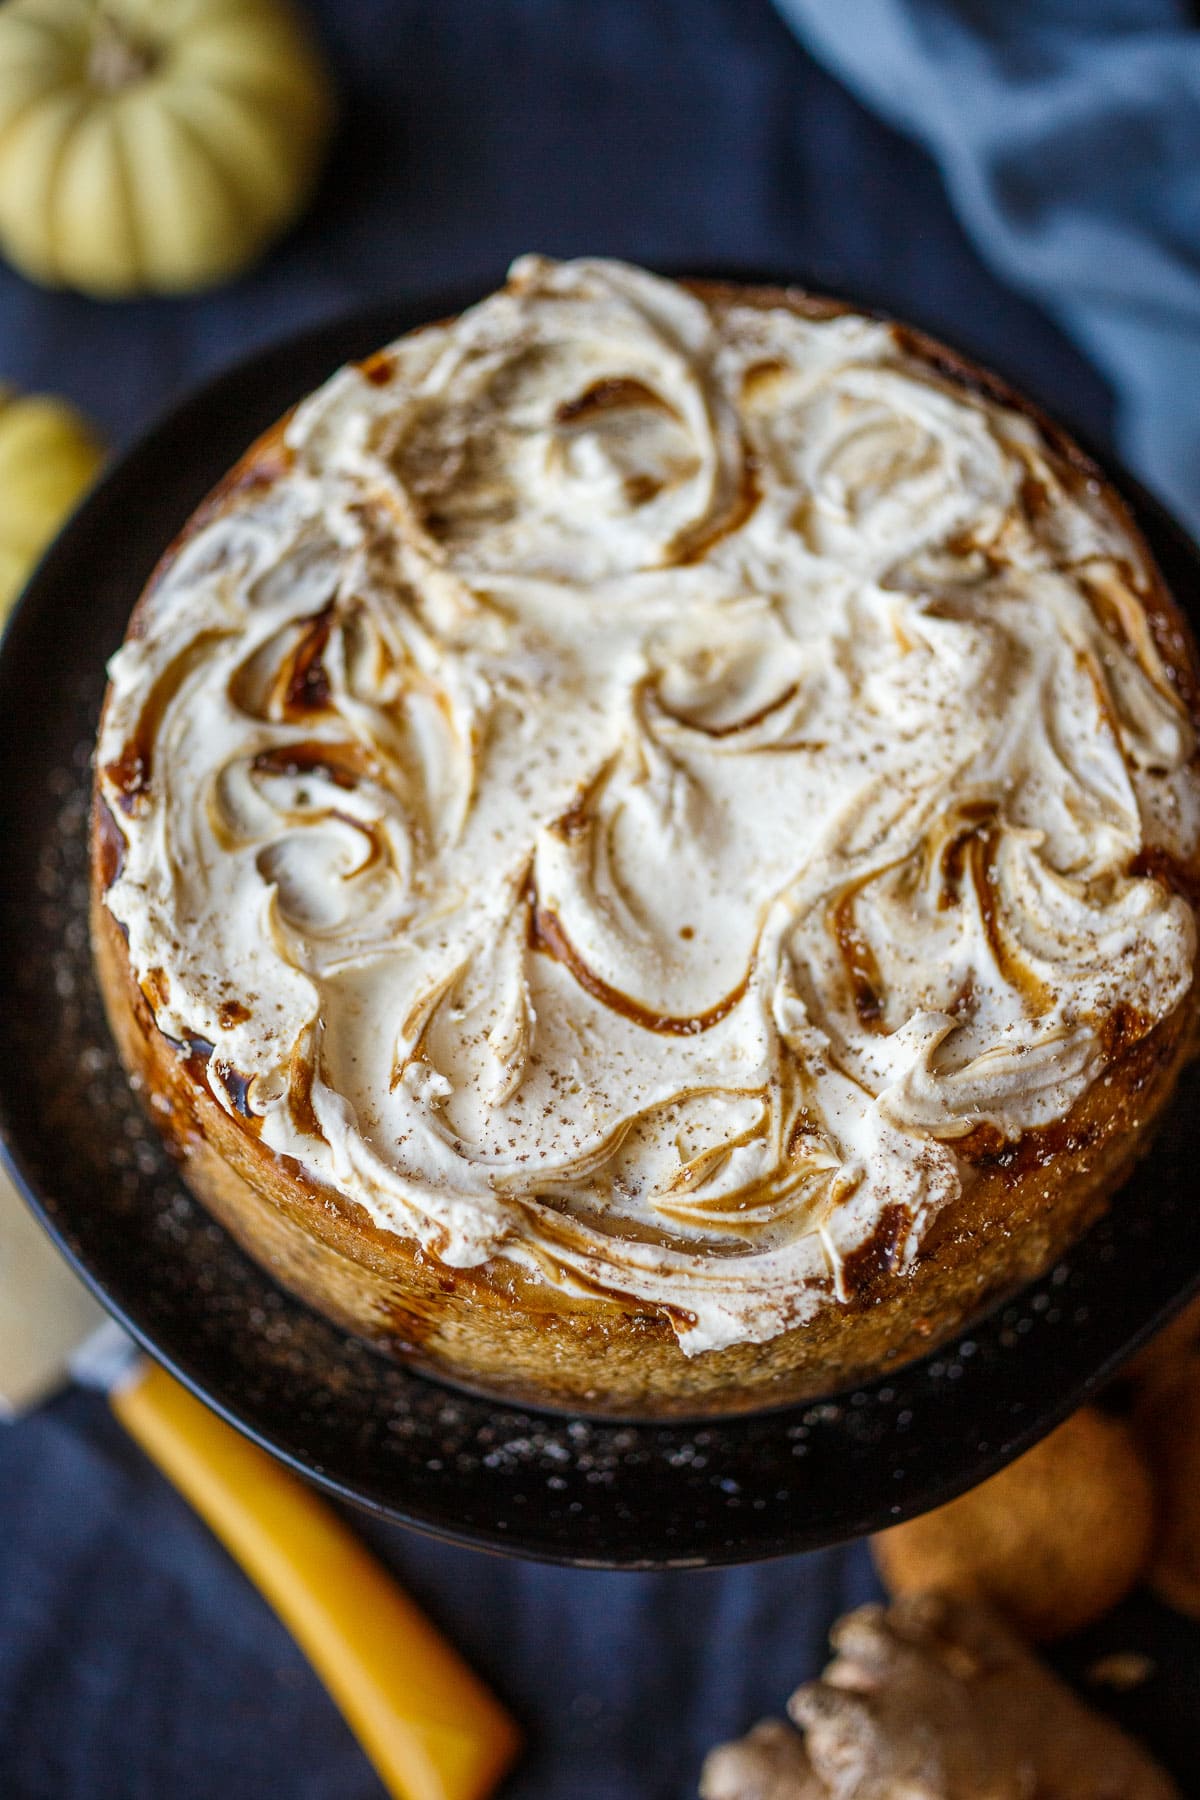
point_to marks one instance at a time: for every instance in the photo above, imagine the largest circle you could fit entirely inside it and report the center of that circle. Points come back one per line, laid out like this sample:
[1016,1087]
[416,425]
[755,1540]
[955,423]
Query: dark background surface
[134,1659]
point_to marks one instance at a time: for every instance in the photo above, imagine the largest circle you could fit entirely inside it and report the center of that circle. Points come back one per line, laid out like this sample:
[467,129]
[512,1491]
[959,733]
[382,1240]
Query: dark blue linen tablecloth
[135,1661]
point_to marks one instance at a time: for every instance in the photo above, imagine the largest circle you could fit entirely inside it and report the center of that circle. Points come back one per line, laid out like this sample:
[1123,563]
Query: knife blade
[44,1312]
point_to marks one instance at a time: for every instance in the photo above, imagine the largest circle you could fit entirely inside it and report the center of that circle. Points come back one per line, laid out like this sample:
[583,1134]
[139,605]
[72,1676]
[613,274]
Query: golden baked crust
[496,1328]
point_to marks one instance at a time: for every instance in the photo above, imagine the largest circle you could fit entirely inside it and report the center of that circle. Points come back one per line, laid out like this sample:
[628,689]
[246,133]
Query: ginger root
[1167,1420]
[1052,1542]
[934,1699]
[1162,1355]
[769,1763]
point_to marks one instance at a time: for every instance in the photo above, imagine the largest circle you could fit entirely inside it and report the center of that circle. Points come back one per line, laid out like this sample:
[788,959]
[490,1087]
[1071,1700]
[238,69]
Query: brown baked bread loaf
[644,844]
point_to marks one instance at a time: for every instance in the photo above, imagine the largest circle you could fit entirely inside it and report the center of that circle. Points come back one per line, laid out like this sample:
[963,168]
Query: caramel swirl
[648,789]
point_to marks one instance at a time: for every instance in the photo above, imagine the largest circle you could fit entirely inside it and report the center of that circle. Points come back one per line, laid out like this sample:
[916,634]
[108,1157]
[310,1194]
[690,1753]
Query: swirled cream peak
[643,783]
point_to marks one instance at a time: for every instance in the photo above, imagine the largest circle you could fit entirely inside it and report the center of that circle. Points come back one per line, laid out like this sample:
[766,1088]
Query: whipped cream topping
[644,785]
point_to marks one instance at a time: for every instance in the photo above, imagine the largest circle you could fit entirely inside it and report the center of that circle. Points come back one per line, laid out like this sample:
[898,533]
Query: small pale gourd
[153,146]
[48,457]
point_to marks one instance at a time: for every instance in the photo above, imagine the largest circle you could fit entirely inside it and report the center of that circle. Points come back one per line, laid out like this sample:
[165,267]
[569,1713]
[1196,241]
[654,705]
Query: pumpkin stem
[117,60]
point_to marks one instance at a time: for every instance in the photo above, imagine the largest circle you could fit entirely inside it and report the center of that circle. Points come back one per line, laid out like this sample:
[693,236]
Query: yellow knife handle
[431,1728]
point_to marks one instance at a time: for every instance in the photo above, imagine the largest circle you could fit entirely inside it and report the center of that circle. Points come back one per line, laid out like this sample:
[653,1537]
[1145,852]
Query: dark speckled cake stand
[571,1490]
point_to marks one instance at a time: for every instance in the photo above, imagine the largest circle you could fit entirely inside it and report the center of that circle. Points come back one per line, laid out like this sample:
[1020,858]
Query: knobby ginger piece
[1052,1542]
[934,1699]
[1168,1423]
[1167,1348]
[769,1763]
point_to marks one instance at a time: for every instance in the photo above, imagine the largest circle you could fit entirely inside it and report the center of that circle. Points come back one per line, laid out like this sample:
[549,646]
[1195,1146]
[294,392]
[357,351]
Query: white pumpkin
[48,456]
[153,145]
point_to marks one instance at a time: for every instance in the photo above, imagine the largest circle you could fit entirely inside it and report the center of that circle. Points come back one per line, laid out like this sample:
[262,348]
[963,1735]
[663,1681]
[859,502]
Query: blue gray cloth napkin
[1068,136]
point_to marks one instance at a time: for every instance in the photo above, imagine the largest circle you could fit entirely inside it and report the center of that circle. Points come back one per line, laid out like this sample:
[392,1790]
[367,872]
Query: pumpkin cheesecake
[644,844]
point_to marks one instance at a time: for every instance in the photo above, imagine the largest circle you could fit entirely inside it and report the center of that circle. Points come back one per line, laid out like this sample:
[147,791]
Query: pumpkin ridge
[189,103]
[270,67]
[284,94]
[94,139]
[10,126]
[128,187]
[226,177]
[70,126]
[50,78]
[64,39]
[278,94]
